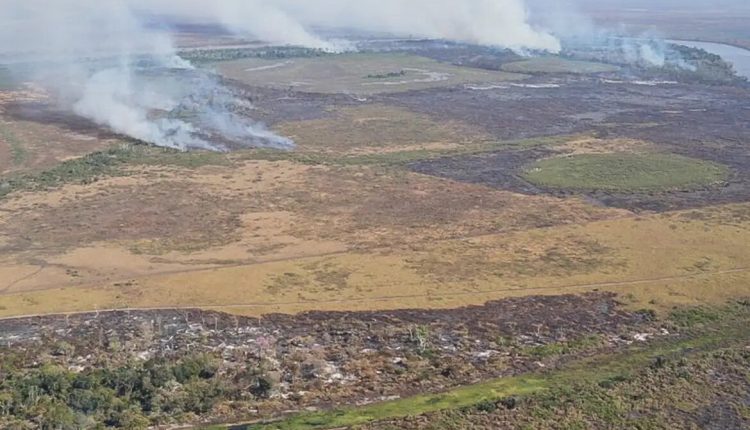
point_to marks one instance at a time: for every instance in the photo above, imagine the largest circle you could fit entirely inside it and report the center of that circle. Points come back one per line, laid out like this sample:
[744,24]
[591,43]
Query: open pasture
[357,74]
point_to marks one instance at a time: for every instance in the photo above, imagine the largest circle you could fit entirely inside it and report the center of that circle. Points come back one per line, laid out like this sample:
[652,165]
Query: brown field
[376,128]
[27,145]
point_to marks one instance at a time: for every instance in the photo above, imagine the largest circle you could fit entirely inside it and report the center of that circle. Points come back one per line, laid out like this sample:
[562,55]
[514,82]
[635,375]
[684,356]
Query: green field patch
[625,172]
[557,65]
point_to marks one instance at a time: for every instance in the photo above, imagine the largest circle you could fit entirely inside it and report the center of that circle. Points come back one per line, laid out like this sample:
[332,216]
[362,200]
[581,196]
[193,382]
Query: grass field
[625,172]
[340,224]
[361,74]
[30,147]
[344,226]
[557,65]
[653,262]
[375,129]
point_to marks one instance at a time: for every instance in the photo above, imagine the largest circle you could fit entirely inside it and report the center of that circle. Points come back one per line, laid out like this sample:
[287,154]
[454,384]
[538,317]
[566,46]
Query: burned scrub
[696,121]
[313,360]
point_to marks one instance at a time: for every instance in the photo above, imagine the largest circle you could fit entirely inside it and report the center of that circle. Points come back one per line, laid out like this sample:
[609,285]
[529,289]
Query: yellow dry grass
[124,228]
[377,129]
[656,261]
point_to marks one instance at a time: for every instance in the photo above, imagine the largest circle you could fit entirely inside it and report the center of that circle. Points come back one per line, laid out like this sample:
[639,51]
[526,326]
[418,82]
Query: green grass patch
[625,172]
[458,398]
[691,317]
[565,348]
[557,65]
[111,162]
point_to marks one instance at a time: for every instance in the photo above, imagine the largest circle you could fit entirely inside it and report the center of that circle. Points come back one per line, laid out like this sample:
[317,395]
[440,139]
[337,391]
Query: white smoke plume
[568,21]
[486,22]
[103,64]
[101,58]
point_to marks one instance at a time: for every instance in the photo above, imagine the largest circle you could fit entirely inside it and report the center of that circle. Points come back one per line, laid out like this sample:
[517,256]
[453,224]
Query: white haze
[568,21]
[485,22]
[103,64]
[90,53]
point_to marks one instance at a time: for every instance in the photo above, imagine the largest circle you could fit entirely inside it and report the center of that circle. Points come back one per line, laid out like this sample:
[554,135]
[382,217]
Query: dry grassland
[656,262]
[253,236]
[378,128]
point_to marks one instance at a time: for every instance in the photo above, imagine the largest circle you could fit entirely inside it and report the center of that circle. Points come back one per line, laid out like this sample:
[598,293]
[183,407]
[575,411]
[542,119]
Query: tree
[54,415]
[133,419]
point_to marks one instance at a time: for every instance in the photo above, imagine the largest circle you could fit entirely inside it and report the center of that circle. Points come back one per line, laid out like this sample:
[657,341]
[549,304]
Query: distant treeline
[705,65]
[215,55]
[386,75]
[681,63]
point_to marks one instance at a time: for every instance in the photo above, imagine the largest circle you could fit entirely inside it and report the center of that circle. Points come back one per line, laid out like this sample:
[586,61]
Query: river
[739,57]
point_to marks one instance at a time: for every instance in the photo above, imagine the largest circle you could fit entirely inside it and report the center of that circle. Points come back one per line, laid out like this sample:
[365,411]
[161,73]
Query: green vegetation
[705,66]
[668,394]
[461,397]
[116,160]
[111,162]
[565,348]
[133,395]
[623,172]
[691,317]
[199,56]
[386,75]
[557,65]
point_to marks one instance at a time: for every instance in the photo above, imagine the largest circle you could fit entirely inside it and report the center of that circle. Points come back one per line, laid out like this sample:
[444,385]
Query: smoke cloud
[486,22]
[102,62]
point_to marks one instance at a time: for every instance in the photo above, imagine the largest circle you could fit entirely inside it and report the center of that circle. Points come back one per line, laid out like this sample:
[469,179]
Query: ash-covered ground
[319,360]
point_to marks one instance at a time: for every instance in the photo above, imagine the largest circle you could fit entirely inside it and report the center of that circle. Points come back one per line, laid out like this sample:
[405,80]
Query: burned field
[135,368]
[279,364]
[699,123]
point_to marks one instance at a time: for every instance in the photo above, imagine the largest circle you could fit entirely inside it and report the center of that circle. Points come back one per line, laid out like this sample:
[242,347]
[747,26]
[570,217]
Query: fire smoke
[103,63]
